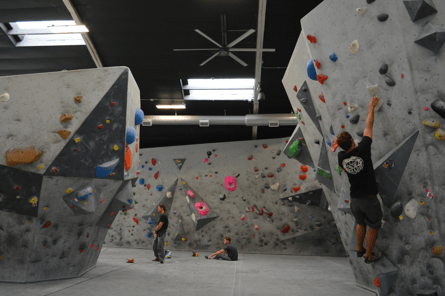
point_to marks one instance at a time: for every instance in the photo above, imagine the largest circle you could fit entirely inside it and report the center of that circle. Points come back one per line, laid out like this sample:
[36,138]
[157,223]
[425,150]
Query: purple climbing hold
[139,116]
[105,169]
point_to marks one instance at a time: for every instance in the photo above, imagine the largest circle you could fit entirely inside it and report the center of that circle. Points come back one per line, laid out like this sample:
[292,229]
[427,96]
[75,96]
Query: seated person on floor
[232,253]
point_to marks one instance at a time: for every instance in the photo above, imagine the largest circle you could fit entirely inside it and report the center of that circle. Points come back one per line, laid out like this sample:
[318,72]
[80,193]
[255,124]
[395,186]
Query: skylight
[219,89]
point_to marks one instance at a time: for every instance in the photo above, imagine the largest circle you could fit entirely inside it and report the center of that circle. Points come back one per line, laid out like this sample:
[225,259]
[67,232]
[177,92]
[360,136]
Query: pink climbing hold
[230,183]
[426,109]
[403,75]
[202,208]
[429,193]
[190,193]
[243,217]
[257,228]
[206,160]
[91,246]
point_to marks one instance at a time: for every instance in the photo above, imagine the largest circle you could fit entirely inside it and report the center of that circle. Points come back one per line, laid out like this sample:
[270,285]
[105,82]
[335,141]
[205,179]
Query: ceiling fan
[226,49]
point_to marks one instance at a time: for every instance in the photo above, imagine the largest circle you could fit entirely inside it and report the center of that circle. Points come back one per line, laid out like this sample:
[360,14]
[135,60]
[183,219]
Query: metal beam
[86,38]
[259,58]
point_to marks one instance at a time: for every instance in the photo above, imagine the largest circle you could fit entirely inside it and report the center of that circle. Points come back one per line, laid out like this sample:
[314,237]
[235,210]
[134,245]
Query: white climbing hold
[275,186]
[411,208]
[295,219]
[188,199]
[296,209]
[378,106]
[290,198]
[361,11]
[352,108]
[4,97]
[372,88]
[193,217]
[354,47]
[257,176]
[169,194]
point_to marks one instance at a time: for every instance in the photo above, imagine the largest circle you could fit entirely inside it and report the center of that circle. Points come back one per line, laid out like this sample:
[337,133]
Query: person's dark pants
[158,247]
[367,211]
[222,257]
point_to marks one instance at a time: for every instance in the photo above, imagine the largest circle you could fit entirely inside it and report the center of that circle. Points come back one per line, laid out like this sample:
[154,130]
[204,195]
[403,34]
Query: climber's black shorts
[367,211]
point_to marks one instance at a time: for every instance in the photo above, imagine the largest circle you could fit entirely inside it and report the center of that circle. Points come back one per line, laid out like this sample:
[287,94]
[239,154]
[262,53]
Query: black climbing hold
[237,176]
[303,101]
[256,146]
[318,224]
[389,81]
[389,104]
[266,186]
[213,150]
[431,38]
[382,17]
[396,210]
[146,162]
[360,134]
[317,142]
[439,107]
[319,117]
[284,189]
[223,197]
[370,1]
[209,163]
[216,172]
[273,157]
[209,153]
[244,198]
[278,152]
[420,9]
[304,89]
[383,69]
[279,170]
[266,168]
[410,112]
[355,119]
[290,204]
[263,175]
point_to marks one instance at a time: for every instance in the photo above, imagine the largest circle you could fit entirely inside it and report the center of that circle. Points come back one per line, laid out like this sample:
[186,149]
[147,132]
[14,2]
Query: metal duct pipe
[271,120]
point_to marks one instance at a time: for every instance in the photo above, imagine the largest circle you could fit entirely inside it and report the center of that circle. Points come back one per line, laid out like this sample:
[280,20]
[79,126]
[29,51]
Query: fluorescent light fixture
[220,89]
[220,95]
[206,84]
[170,106]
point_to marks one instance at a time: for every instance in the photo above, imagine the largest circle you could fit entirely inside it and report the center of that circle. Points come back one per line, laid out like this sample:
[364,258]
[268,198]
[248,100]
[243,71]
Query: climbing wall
[346,54]
[272,204]
[64,168]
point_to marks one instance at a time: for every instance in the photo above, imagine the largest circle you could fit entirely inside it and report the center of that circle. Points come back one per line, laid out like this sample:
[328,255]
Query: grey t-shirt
[232,252]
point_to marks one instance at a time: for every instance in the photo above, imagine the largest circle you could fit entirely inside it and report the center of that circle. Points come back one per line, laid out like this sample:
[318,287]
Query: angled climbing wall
[65,168]
[271,204]
[392,50]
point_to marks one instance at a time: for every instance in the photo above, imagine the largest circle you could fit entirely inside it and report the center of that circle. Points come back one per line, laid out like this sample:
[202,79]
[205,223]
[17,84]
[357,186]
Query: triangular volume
[122,201]
[180,232]
[389,170]
[431,38]
[166,199]
[97,149]
[305,98]
[19,191]
[201,212]
[179,162]
[419,9]
[345,198]
[324,170]
[311,198]
[83,200]
[386,273]
[296,148]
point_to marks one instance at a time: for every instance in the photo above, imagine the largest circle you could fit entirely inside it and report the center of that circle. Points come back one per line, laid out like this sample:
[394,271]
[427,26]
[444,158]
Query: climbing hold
[352,108]
[376,282]
[311,72]
[76,140]
[295,88]
[361,11]
[354,47]
[159,188]
[264,146]
[47,224]
[278,152]
[321,78]
[206,160]
[66,117]
[311,38]
[156,175]
[440,134]
[202,208]
[78,99]
[437,249]
[382,17]
[333,57]
[429,193]
[372,88]
[55,170]
[331,130]
[250,157]
[64,133]
[328,141]
[321,97]
[100,126]
[420,9]
[22,155]
[190,193]
[411,208]
[131,135]
[222,196]
[135,220]
[128,158]
[139,116]
[295,189]
[438,106]
[317,64]
[105,169]
[432,123]
[285,228]
[304,168]
[355,119]
[303,177]
[275,186]
[4,97]
[270,175]
[230,183]
[383,69]
[255,169]
[148,186]
[426,108]
[115,147]
[389,81]
[112,104]
[303,101]
[396,209]
[257,228]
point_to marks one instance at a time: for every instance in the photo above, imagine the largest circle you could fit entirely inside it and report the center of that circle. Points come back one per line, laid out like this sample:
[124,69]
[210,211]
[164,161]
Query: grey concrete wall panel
[417,73]
[180,232]
[303,155]
[207,180]
[324,174]
[122,201]
[345,197]
[389,170]
[52,95]
[96,146]
[179,163]
[166,199]
[386,272]
[431,37]
[306,101]
[17,189]
[312,198]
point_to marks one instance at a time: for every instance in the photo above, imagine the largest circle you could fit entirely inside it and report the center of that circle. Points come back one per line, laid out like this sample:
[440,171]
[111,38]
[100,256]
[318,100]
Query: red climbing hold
[403,76]
[302,122]
[295,189]
[148,186]
[47,224]
[197,178]
[264,146]
[128,158]
[321,97]
[153,161]
[75,149]
[262,191]
[100,126]
[345,103]
[216,155]
[81,251]
[295,88]
[270,175]
[17,188]
[346,201]
[157,175]
[303,177]
[91,246]
[255,169]
[135,220]
[55,170]
[317,64]
[321,78]
[343,126]
[311,38]
[113,103]
[283,165]
[97,248]
[112,213]
[250,157]
[376,282]
[286,229]
[304,168]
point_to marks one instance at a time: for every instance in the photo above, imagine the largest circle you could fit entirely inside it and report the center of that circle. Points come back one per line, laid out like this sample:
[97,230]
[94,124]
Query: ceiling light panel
[222,84]
[220,95]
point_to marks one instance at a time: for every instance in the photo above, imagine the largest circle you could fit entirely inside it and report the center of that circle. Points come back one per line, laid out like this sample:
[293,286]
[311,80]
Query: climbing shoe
[361,253]
[157,259]
[207,257]
[375,257]
[162,262]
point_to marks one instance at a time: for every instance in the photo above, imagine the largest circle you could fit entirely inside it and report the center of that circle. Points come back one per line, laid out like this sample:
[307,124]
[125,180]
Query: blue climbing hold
[149,169]
[141,181]
[131,135]
[103,170]
[174,212]
[333,57]
[151,221]
[180,188]
[159,187]
[142,166]
[310,217]
[130,201]
[148,235]
[139,116]
[328,142]
[347,116]
[311,70]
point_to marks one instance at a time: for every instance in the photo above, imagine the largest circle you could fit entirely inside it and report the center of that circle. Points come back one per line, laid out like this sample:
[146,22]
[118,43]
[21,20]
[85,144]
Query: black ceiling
[142,34]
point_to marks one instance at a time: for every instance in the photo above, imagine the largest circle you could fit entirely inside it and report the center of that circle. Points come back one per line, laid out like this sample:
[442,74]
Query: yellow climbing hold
[432,123]
[84,202]
[432,233]
[183,239]
[69,190]
[77,140]
[45,208]
[422,203]
[107,121]
[176,234]
[40,167]
[167,243]
[94,191]
[154,214]
[34,200]
[116,148]
[440,134]
[400,217]
[183,182]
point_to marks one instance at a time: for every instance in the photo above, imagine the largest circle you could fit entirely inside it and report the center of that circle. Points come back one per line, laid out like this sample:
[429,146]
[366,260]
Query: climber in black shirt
[232,252]
[160,232]
[365,206]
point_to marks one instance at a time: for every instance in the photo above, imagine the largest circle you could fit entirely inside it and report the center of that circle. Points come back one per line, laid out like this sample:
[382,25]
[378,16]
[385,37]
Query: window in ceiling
[46,33]
[219,89]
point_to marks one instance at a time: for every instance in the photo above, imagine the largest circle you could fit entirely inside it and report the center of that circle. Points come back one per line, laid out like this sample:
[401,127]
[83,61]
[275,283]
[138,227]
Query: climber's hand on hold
[374,102]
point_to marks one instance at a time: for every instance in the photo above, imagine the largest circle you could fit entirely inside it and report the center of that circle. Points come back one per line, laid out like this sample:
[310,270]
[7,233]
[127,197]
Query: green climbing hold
[323,173]
[293,149]
[339,170]
[298,115]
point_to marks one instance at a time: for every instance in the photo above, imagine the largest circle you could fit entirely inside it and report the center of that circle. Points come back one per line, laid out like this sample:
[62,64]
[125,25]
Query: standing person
[365,206]
[160,233]
[232,252]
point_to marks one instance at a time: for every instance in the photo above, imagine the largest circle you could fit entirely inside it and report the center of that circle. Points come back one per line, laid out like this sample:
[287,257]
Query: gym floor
[253,274]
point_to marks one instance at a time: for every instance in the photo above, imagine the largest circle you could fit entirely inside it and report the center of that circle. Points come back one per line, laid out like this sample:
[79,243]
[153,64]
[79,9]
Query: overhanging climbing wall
[68,161]
[379,51]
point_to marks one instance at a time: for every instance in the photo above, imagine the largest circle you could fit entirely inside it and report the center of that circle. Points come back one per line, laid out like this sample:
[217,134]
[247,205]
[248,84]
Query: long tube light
[170,106]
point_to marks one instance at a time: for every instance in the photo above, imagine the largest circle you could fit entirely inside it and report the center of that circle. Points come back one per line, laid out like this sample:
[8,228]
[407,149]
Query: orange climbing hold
[304,168]
[343,126]
[22,155]
[47,224]
[437,250]
[64,133]
[128,158]
[283,165]
[321,78]
[376,282]
[321,97]
[135,220]
[66,117]
[311,38]
[78,99]
[196,178]
[295,88]
[317,64]
[137,147]
[345,103]
[303,177]
[295,189]
[148,186]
